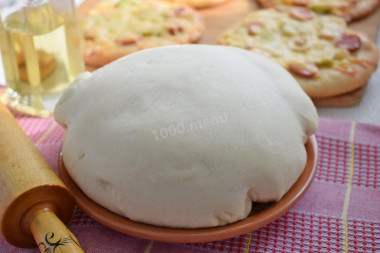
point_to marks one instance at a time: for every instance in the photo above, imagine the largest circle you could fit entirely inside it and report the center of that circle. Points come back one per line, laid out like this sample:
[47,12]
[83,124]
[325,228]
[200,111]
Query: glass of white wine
[40,49]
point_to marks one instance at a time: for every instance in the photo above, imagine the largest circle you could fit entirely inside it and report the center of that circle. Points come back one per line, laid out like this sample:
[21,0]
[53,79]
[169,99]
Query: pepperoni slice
[351,42]
[175,29]
[301,14]
[309,70]
[127,39]
[90,34]
[89,37]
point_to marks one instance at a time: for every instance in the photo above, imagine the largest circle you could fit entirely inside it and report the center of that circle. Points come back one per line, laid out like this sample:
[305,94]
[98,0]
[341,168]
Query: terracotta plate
[261,215]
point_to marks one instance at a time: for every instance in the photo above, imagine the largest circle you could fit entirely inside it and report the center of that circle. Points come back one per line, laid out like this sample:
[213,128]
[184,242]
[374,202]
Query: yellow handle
[50,234]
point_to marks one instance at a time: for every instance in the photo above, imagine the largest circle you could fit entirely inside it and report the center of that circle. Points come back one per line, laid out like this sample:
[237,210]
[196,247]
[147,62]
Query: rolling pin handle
[48,231]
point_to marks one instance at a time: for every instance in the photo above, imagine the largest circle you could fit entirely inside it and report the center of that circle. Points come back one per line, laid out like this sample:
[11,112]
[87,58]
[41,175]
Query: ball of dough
[186,136]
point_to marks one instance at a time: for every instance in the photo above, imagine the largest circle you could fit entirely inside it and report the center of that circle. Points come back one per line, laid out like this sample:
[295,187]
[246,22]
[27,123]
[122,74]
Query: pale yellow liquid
[26,34]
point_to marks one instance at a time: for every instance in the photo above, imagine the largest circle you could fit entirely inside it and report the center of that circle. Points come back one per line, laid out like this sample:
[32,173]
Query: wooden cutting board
[220,17]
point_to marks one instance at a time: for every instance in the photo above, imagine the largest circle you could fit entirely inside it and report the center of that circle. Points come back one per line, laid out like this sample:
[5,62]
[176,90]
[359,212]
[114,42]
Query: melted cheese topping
[124,22]
[287,40]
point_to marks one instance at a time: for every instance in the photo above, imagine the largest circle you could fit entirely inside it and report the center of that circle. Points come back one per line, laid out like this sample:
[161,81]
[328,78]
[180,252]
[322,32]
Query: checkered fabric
[339,213]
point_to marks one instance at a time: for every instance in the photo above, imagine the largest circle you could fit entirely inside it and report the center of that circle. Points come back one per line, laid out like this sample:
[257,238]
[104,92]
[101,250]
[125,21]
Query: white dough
[186,136]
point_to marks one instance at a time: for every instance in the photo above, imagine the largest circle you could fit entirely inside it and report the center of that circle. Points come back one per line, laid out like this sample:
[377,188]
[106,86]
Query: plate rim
[197,235]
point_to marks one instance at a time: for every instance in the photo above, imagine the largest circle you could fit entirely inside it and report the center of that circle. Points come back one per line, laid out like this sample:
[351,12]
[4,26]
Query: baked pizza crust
[113,29]
[357,9]
[348,75]
[332,82]
[363,9]
[97,57]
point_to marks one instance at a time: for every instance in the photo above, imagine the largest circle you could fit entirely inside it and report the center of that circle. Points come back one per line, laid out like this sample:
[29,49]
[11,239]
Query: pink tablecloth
[339,213]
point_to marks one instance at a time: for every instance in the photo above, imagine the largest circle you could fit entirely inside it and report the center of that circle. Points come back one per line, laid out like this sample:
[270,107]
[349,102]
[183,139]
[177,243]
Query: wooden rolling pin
[32,197]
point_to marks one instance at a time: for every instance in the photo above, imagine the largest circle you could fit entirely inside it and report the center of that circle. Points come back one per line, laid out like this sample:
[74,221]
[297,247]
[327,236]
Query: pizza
[324,56]
[114,28]
[199,3]
[348,9]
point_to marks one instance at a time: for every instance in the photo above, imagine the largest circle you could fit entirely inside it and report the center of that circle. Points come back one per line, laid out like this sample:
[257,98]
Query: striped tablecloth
[339,213]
